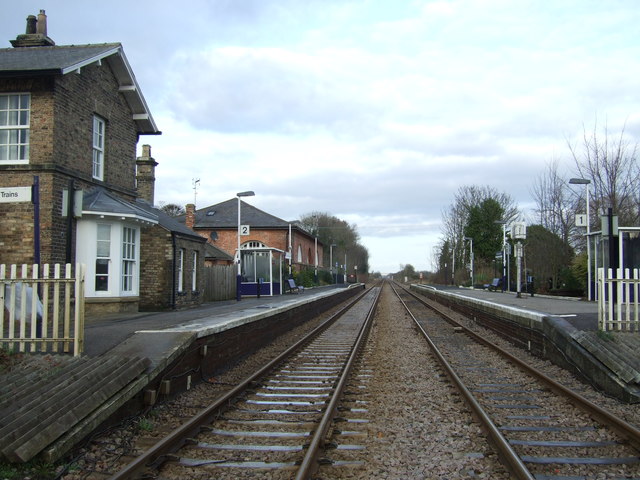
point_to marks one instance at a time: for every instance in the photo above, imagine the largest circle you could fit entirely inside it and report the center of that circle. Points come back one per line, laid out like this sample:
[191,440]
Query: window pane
[4,153]
[4,118]
[4,102]
[14,101]
[102,275]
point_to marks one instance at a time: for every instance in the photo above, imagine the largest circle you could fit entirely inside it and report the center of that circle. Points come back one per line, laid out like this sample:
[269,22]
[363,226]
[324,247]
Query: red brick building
[219,225]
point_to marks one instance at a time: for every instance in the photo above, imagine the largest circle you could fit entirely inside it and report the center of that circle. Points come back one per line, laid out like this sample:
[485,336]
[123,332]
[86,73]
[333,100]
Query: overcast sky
[375,111]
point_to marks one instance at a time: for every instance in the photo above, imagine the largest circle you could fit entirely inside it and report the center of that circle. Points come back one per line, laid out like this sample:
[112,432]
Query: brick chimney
[146,174]
[190,217]
[36,33]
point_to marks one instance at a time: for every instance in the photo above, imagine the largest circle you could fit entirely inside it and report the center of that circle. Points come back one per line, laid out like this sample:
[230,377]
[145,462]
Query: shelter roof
[101,202]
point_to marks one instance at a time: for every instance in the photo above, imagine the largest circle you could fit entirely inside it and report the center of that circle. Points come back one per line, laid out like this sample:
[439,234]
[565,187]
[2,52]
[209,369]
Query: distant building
[219,225]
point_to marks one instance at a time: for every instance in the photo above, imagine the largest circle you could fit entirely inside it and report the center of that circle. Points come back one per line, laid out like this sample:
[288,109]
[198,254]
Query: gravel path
[418,426]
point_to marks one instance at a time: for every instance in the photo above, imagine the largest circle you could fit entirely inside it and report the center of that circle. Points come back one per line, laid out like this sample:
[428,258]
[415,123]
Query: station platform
[561,329]
[156,334]
[581,314]
[132,361]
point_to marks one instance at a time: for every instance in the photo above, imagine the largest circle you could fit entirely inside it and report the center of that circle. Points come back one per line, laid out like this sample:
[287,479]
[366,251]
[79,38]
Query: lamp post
[470,257]
[239,276]
[331,260]
[504,250]
[586,182]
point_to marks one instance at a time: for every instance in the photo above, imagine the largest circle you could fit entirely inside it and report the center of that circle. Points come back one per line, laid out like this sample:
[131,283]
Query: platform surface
[582,314]
[114,331]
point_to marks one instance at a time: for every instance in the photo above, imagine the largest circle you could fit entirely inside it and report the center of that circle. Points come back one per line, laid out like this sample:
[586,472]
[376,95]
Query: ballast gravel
[418,427]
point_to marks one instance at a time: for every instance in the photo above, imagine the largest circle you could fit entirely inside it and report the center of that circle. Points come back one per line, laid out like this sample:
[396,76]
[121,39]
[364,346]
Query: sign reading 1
[244,230]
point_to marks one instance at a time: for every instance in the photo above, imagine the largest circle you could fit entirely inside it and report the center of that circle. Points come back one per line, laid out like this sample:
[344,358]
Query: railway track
[276,420]
[541,429]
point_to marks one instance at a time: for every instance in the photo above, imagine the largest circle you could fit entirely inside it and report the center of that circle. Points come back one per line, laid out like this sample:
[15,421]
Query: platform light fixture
[331,260]
[248,193]
[470,257]
[586,182]
[504,252]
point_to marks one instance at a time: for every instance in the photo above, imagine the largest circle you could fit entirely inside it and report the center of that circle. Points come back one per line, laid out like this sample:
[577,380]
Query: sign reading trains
[15,194]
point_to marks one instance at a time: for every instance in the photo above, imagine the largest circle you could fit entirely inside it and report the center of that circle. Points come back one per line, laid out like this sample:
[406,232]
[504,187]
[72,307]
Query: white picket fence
[618,299]
[43,310]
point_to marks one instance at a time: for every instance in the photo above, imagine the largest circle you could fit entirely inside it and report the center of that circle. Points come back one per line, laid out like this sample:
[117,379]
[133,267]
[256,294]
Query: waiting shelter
[261,270]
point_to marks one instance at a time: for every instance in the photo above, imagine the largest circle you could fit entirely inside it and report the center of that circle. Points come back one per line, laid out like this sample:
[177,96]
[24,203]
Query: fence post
[78,333]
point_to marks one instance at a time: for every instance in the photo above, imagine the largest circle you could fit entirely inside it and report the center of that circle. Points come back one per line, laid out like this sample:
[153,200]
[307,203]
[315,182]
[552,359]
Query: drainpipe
[173,271]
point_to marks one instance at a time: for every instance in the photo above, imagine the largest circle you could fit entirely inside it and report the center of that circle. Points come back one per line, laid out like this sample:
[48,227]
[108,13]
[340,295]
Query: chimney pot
[41,26]
[31,25]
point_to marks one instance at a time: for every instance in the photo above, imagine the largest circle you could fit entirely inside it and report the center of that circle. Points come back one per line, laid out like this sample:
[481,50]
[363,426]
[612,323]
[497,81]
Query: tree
[482,228]
[331,230]
[611,163]
[547,256]
[554,207]
[172,209]
[455,220]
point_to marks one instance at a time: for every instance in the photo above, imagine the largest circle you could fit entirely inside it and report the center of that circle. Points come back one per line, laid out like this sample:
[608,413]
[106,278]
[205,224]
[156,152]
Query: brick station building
[219,225]
[70,120]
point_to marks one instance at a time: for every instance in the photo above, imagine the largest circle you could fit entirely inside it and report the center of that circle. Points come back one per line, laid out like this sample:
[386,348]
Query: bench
[293,286]
[495,284]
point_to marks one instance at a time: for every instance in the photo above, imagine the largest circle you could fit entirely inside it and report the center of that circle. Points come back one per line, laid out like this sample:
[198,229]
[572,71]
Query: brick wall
[62,110]
[156,283]
[228,241]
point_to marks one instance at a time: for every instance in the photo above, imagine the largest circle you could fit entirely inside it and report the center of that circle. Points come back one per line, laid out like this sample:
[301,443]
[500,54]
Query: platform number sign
[245,230]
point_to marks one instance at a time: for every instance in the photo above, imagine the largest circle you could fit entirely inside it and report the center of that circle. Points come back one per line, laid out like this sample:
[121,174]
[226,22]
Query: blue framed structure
[261,271]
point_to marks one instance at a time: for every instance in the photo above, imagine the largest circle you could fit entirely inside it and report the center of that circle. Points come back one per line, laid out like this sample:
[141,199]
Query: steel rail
[624,428]
[176,439]
[309,464]
[511,458]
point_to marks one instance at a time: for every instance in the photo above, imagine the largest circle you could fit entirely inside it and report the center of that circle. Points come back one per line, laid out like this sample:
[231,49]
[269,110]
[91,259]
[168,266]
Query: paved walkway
[583,315]
[107,332]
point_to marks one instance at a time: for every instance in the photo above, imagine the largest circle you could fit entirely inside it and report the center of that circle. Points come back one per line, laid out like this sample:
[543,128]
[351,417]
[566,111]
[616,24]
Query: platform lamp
[586,182]
[470,257]
[504,251]
[331,261]
[239,276]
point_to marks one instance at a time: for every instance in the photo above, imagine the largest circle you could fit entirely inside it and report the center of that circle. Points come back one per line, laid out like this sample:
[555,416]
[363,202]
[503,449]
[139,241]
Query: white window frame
[87,253]
[15,129]
[103,253]
[129,261]
[99,129]
[194,272]
[181,270]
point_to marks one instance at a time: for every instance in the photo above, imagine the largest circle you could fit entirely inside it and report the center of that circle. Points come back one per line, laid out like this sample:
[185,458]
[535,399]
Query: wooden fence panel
[38,314]
[618,302]
[220,283]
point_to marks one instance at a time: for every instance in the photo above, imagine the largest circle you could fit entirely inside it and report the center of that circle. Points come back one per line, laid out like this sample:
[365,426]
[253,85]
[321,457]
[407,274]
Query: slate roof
[214,252]
[64,59]
[101,202]
[168,222]
[225,215]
